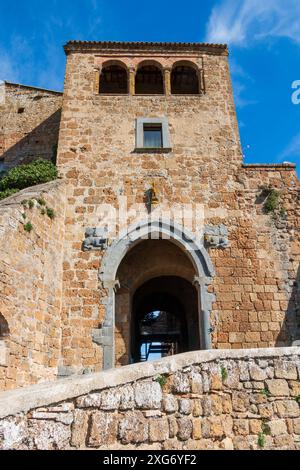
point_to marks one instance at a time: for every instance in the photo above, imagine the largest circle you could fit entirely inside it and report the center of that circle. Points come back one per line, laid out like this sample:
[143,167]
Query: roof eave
[105,46]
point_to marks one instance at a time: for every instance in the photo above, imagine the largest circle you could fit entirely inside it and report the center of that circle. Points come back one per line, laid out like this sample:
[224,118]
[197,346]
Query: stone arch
[4,334]
[4,328]
[149,78]
[129,238]
[185,78]
[114,78]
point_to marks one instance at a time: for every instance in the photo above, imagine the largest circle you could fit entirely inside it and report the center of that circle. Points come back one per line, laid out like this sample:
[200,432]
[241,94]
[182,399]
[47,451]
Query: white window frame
[141,122]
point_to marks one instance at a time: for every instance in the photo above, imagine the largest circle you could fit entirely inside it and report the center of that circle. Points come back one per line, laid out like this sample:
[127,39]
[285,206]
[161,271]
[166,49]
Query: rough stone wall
[96,156]
[29,123]
[30,286]
[208,400]
[255,276]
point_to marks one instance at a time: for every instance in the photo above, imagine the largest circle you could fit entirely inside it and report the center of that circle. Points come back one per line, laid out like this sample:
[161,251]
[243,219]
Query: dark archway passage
[157,307]
[164,319]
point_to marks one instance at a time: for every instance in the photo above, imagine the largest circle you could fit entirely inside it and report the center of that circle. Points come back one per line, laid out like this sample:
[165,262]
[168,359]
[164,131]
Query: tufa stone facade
[153,126]
[204,400]
[29,123]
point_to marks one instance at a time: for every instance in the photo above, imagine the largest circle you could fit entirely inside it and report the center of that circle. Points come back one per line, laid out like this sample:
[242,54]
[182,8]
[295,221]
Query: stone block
[197,429]
[127,401]
[197,411]
[240,401]
[278,387]
[256,373]
[104,428]
[185,406]
[133,428]
[80,428]
[173,427]
[13,432]
[212,427]
[110,399]
[277,427]
[181,383]
[49,435]
[197,383]
[227,444]
[285,370]
[170,404]
[287,409]
[148,395]
[158,430]
[185,429]
[241,427]
[89,401]
[296,426]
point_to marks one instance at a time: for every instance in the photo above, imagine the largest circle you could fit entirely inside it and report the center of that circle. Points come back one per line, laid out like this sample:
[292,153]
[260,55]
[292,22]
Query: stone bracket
[103,336]
[216,236]
[95,239]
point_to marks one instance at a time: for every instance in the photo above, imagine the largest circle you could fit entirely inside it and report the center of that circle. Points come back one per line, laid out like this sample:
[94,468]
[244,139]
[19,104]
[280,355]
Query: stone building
[29,123]
[163,241]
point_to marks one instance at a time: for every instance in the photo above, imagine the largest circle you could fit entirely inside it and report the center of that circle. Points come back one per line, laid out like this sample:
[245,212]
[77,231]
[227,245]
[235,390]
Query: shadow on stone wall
[40,142]
[290,330]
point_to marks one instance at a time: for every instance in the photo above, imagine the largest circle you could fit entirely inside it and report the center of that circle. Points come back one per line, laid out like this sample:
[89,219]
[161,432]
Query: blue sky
[263,36]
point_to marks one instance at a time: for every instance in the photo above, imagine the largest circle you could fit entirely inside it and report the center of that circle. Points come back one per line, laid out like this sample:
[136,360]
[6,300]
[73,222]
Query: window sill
[154,150]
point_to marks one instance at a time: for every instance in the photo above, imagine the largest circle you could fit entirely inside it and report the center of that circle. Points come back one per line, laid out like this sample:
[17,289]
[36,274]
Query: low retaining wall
[201,400]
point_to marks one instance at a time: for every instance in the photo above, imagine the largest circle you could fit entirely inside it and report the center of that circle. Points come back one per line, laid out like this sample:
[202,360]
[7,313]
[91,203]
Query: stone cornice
[146,47]
[271,166]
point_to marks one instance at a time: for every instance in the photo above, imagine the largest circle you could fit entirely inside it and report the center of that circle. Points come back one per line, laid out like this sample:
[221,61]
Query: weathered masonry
[29,123]
[229,400]
[162,243]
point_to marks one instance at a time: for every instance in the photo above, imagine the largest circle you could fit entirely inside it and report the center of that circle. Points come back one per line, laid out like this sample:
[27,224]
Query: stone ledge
[270,166]
[32,191]
[42,395]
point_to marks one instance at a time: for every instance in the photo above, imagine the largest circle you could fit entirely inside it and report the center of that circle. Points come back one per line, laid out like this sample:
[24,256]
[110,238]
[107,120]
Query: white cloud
[292,150]
[242,22]
[240,84]
[8,68]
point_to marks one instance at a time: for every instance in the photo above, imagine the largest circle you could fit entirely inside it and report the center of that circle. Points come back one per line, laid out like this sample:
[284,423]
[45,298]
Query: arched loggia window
[184,80]
[114,80]
[149,80]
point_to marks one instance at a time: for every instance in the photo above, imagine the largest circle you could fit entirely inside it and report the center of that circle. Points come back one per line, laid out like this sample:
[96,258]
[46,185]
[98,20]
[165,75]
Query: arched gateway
[156,275]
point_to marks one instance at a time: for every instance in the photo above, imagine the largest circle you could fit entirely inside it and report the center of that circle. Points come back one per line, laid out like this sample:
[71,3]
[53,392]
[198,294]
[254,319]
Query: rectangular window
[152,135]
[153,138]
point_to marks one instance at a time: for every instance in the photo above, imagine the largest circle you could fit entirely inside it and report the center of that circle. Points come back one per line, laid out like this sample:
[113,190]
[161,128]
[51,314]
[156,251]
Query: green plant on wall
[261,441]
[272,202]
[50,213]
[162,380]
[265,428]
[7,193]
[28,227]
[41,201]
[224,373]
[265,392]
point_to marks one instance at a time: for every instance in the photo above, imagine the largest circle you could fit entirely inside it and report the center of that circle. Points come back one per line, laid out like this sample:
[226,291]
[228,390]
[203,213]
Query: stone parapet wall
[30,285]
[202,400]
